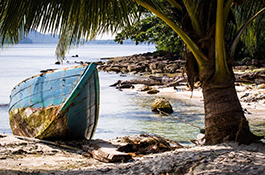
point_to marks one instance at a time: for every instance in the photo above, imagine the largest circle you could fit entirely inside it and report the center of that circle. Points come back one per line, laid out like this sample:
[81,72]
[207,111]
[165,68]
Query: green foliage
[254,33]
[152,30]
[260,50]
[74,20]
[241,51]
[80,20]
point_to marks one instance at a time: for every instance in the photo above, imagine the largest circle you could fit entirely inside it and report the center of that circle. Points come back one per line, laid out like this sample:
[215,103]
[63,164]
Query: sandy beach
[25,156]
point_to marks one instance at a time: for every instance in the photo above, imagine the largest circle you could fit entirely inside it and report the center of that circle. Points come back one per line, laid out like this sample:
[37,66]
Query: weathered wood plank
[105,151]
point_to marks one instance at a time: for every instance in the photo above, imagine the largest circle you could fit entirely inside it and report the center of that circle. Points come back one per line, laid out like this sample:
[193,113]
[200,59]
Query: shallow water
[129,113]
[121,112]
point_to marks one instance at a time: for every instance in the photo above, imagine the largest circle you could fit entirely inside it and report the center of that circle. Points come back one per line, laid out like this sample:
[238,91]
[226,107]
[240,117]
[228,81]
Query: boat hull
[61,104]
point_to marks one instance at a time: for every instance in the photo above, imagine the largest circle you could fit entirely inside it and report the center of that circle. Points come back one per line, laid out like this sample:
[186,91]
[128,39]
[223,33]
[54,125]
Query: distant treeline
[35,37]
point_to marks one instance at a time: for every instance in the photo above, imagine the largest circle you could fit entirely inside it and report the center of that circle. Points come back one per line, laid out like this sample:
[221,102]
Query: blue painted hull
[59,104]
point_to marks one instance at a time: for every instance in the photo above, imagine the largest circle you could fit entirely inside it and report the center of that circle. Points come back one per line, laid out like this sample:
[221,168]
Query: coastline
[30,157]
[22,156]
[26,156]
[254,111]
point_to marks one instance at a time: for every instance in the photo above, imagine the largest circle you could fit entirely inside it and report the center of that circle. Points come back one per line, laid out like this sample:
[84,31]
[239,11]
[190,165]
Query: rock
[75,56]
[157,62]
[125,86]
[153,66]
[162,104]
[156,71]
[171,68]
[255,62]
[145,88]
[259,80]
[261,86]
[79,62]
[99,63]
[124,70]
[117,83]
[260,96]
[114,69]
[153,91]
[136,68]
[251,77]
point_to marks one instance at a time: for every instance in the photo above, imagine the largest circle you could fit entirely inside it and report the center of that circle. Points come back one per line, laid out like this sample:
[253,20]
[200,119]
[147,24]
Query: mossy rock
[161,104]
[153,91]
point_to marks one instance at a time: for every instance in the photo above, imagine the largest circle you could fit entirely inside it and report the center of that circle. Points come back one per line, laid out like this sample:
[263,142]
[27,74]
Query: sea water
[121,112]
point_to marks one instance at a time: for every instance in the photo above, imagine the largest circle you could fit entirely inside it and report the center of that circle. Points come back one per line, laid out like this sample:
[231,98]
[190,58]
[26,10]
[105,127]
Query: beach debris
[105,151]
[146,144]
[125,86]
[46,70]
[116,84]
[244,95]
[200,139]
[161,104]
[261,86]
[246,111]
[257,77]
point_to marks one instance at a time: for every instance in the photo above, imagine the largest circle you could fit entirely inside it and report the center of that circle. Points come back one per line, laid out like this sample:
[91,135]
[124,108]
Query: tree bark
[224,117]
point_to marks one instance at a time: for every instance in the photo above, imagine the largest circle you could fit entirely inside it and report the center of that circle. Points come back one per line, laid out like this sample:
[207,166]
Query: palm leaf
[79,19]
[243,13]
[191,8]
[242,29]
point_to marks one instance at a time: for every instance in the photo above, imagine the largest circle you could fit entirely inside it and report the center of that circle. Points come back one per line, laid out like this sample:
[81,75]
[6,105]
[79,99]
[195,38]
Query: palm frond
[75,20]
[249,34]
[243,13]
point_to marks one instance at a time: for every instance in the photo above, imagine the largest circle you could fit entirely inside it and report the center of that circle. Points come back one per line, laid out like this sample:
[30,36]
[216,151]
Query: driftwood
[151,81]
[251,77]
[128,147]
[148,82]
[105,151]
[117,150]
[147,144]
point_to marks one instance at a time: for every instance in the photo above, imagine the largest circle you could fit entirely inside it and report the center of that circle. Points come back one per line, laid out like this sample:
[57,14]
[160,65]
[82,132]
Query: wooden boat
[58,104]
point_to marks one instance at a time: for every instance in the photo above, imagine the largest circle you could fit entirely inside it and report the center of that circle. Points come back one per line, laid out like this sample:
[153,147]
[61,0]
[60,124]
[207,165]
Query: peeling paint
[35,123]
[42,107]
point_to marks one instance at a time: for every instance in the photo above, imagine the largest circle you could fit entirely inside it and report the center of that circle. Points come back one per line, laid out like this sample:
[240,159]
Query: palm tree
[202,25]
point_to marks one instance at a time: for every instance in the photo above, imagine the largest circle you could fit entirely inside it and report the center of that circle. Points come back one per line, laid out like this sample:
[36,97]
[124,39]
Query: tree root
[244,136]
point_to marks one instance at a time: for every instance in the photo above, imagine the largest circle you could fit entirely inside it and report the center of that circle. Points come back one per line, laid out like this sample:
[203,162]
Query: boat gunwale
[76,90]
[48,72]
[88,72]
[80,82]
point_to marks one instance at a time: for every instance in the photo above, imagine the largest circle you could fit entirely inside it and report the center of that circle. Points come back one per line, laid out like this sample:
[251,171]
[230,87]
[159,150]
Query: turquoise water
[121,112]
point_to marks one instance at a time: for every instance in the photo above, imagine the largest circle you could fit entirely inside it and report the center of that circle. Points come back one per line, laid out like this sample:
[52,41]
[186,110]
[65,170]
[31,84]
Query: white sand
[26,157]
[22,157]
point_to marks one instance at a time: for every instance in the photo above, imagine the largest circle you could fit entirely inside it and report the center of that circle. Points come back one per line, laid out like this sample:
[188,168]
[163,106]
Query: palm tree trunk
[224,117]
